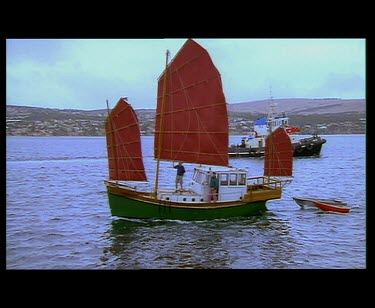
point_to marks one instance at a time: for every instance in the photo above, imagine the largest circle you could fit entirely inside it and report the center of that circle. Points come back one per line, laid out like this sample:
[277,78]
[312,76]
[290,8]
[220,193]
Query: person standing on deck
[180,174]
[214,187]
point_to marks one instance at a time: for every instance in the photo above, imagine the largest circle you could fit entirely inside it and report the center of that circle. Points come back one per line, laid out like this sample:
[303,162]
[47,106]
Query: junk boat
[191,127]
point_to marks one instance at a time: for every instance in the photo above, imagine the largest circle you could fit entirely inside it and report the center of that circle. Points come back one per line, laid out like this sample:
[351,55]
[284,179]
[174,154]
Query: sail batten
[124,144]
[195,117]
[192,108]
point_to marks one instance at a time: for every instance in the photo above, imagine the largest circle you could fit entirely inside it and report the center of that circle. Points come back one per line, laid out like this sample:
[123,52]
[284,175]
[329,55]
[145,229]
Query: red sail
[278,159]
[191,116]
[124,144]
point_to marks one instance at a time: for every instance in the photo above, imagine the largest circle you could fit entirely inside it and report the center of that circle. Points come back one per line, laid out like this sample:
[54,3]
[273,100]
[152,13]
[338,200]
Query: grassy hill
[335,116]
[302,106]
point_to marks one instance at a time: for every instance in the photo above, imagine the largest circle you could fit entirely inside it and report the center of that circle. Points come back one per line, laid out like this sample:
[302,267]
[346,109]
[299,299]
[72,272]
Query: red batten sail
[124,144]
[194,125]
[278,159]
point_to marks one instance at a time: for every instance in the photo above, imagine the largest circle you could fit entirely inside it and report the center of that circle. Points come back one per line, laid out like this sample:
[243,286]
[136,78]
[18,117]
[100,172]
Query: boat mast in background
[271,113]
[279,149]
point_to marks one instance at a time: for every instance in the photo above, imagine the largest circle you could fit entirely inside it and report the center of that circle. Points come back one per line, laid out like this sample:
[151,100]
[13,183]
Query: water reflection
[249,243]
[278,249]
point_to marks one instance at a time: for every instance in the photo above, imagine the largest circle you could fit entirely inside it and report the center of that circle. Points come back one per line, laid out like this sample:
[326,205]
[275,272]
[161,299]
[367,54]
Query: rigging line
[171,69]
[132,157]
[122,146]
[183,132]
[185,87]
[185,63]
[173,112]
[160,141]
[276,163]
[114,152]
[210,134]
[171,105]
[181,82]
[172,60]
[217,77]
[193,108]
[196,109]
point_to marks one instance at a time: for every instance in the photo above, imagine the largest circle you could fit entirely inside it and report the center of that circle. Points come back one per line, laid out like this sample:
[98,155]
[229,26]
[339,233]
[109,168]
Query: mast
[112,138]
[160,143]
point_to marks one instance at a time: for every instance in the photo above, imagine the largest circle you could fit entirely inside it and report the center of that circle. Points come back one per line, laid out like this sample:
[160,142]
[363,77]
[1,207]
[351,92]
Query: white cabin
[232,183]
[232,186]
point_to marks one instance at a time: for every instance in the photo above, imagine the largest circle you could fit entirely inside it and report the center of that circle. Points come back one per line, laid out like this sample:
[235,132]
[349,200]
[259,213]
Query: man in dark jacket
[180,174]
[214,187]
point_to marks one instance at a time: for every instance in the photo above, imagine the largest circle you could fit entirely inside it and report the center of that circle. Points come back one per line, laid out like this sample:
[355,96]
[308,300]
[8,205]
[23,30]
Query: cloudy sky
[84,73]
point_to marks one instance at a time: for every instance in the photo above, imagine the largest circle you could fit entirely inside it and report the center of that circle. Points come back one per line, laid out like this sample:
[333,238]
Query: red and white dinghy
[325,206]
[309,202]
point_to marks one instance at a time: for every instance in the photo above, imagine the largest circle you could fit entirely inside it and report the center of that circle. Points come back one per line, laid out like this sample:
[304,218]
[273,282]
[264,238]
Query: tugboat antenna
[271,111]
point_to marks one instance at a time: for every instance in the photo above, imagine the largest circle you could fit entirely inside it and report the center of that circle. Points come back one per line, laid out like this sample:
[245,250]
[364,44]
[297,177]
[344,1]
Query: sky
[84,73]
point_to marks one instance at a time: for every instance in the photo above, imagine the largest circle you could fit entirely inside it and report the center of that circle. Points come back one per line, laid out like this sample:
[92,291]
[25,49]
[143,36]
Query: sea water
[58,217]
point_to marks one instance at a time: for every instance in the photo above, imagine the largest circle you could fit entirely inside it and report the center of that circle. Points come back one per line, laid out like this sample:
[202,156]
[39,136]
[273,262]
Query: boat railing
[131,185]
[260,182]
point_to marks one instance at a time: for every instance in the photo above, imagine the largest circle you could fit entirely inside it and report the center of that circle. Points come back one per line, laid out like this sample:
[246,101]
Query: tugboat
[253,145]
[311,146]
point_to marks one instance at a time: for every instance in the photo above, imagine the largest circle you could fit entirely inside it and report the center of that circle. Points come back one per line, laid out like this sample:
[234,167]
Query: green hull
[122,206]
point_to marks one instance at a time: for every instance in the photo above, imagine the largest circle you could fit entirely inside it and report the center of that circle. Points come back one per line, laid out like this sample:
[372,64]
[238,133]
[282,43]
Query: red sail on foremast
[194,127]
[124,144]
[278,158]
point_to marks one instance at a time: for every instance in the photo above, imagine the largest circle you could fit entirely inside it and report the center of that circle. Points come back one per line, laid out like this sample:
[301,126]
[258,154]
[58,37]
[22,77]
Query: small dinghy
[308,202]
[332,207]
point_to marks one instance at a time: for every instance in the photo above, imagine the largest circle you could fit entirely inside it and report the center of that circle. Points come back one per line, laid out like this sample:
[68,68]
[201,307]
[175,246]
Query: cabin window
[199,177]
[205,179]
[223,179]
[233,179]
[242,179]
[195,175]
